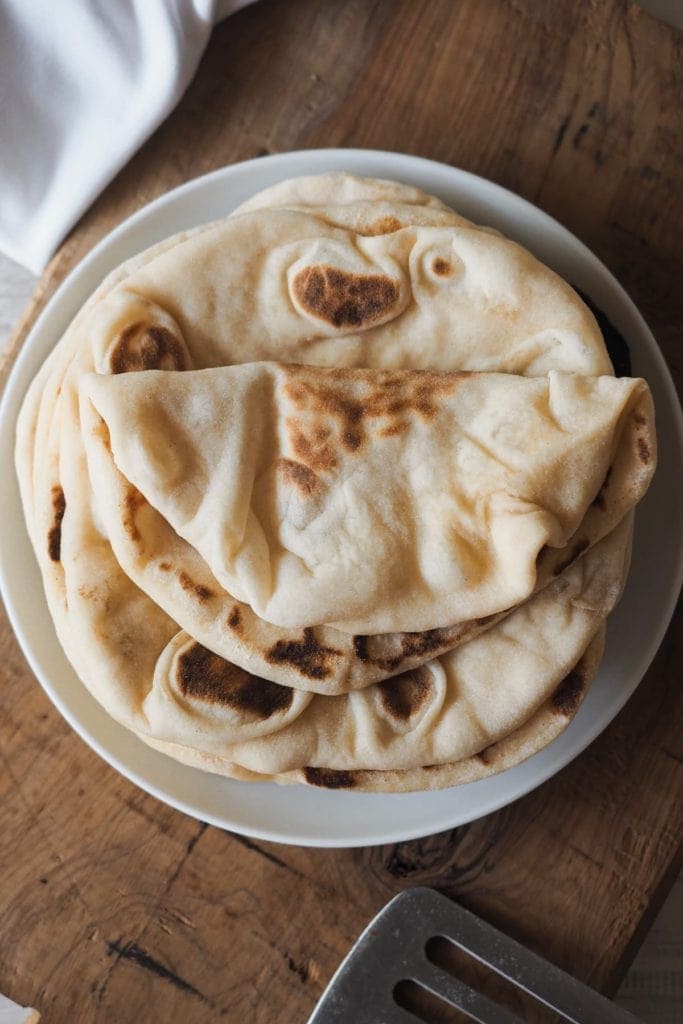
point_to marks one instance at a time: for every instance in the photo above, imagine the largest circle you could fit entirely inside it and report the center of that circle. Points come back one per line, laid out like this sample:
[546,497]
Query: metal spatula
[393,950]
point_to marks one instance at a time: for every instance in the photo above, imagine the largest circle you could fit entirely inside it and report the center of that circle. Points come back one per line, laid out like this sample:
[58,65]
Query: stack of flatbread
[337,490]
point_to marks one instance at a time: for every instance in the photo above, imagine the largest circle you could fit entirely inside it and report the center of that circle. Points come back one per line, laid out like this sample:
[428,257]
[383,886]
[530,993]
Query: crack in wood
[586,856]
[181,863]
[560,136]
[194,840]
[305,970]
[630,46]
[301,970]
[134,803]
[576,141]
[188,851]
[141,958]
[272,857]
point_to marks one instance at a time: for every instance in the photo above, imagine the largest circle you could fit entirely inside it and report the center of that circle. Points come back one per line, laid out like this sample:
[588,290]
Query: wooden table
[116,908]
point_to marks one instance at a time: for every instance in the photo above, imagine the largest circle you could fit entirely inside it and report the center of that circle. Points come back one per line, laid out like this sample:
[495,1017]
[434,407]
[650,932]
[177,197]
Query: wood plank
[114,907]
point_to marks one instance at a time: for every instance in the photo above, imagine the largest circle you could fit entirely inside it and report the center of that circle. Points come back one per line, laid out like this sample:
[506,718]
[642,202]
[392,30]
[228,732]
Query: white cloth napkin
[11,1013]
[83,83]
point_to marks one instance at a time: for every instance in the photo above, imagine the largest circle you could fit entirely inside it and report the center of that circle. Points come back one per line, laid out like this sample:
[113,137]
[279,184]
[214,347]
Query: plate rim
[421,167]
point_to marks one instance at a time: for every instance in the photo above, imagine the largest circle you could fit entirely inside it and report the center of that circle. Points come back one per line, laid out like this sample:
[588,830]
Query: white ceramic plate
[298,814]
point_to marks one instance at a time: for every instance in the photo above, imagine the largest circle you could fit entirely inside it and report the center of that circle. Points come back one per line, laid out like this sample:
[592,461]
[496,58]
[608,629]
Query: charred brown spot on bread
[143,346]
[317,453]
[334,412]
[406,645]
[198,590]
[404,695]
[360,647]
[345,299]
[352,439]
[441,267]
[639,419]
[417,644]
[165,566]
[307,656]
[567,697]
[299,476]
[393,429]
[384,226]
[643,450]
[203,675]
[324,396]
[54,536]
[577,548]
[133,501]
[235,619]
[485,755]
[384,394]
[329,778]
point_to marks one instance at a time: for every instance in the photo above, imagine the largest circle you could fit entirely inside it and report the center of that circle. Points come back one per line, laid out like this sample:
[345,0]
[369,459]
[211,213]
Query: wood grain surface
[115,908]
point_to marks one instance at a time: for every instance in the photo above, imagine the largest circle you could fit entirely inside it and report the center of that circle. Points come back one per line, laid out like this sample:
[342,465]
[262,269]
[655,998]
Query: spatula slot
[426,1006]
[444,953]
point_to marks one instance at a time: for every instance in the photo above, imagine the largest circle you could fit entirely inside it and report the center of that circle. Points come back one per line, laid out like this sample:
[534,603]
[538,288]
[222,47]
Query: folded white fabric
[11,1013]
[83,83]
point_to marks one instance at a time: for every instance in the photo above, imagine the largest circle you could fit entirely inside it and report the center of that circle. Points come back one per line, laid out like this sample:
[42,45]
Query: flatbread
[544,726]
[518,682]
[373,501]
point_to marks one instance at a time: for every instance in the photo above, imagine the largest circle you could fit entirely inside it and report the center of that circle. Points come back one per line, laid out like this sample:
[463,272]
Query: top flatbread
[373,501]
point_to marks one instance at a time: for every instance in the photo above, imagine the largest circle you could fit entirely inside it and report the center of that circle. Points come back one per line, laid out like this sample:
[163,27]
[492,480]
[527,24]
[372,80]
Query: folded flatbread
[373,501]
